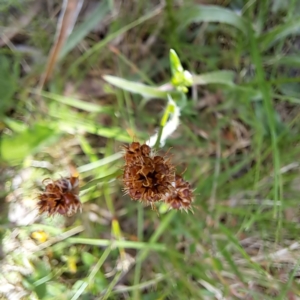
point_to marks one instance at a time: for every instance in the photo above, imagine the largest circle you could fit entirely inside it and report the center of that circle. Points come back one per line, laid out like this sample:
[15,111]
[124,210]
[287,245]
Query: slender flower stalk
[167,127]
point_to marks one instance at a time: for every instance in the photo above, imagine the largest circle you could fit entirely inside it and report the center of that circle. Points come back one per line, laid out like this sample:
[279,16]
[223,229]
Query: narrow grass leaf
[142,286]
[90,107]
[112,285]
[278,33]
[246,92]
[286,60]
[108,132]
[230,261]
[79,123]
[100,182]
[295,100]
[93,273]
[102,162]
[234,241]
[270,113]
[103,43]
[137,88]
[155,236]
[218,77]
[211,13]
[14,125]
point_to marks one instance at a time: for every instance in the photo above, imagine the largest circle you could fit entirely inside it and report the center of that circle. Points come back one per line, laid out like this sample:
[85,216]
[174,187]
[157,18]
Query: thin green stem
[111,286]
[169,109]
[138,266]
[156,235]
[96,268]
[125,244]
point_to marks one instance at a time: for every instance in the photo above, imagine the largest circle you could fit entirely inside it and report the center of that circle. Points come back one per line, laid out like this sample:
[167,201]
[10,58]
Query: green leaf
[80,32]
[221,77]
[211,13]
[14,125]
[291,89]
[8,84]
[55,289]
[138,88]
[175,63]
[15,148]
[217,263]
[88,259]
[40,291]
[278,33]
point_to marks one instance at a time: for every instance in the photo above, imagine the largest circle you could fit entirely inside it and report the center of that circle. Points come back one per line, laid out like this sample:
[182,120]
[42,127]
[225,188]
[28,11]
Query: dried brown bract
[60,197]
[182,197]
[146,177]
[135,151]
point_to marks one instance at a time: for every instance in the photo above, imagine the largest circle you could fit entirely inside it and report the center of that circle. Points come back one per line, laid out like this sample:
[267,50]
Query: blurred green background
[238,140]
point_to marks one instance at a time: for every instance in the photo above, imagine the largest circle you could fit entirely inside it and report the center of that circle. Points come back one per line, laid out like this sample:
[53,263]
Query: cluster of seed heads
[147,177]
[60,197]
[182,196]
[150,178]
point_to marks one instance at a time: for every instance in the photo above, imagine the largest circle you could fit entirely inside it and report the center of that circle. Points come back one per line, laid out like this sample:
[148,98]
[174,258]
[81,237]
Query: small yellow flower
[72,266]
[40,236]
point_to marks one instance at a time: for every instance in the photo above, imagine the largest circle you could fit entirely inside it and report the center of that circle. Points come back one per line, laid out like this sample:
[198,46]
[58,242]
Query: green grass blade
[159,231]
[138,266]
[112,36]
[102,162]
[88,126]
[86,106]
[123,244]
[270,113]
[211,13]
[286,60]
[221,77]
[138,88]
[96,268]
[234,241]
[278,33]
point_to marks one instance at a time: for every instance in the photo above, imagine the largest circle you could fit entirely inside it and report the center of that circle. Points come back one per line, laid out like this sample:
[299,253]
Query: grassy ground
[238,140]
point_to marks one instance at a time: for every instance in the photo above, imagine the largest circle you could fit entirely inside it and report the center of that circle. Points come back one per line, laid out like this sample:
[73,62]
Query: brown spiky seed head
[135,151]
[182,197]
[147,178]
[60,197]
